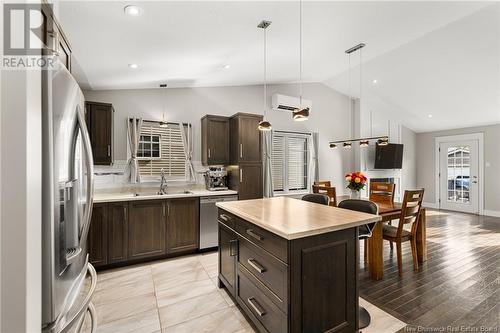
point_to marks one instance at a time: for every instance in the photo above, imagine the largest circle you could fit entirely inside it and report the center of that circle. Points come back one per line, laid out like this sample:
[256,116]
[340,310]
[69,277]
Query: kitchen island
[291,265]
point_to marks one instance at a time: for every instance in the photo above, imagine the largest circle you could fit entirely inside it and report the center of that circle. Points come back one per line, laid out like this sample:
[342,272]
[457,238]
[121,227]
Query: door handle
[241,150]
[224,217]
[256,265]
[232,252]
[109,150]
[208,152]
[256,306]
[241,175]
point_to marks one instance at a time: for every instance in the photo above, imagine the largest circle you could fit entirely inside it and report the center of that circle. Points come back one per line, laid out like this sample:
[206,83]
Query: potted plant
[356,181]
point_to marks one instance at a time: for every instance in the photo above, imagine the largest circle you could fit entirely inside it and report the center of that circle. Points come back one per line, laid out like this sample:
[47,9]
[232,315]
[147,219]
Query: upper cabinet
[214,140]
[245,138]
[99,117]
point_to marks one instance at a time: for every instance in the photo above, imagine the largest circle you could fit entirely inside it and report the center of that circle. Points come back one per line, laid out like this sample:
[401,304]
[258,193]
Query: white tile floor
[180,295]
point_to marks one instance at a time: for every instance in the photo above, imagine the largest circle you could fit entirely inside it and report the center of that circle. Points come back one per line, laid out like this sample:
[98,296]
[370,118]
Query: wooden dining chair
[381,192]
[410,212]
[329,191]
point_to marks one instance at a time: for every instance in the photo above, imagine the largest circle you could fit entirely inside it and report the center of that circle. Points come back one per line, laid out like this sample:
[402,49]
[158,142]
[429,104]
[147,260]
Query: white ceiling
[187,43]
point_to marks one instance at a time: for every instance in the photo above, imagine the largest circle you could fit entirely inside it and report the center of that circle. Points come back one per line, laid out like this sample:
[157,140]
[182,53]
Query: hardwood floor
[457,286]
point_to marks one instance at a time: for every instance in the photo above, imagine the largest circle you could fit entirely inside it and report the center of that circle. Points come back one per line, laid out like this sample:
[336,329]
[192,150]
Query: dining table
[390,211]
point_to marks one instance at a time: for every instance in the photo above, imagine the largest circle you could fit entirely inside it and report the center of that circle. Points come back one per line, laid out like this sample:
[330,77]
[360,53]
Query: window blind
[290,161]
[172,157]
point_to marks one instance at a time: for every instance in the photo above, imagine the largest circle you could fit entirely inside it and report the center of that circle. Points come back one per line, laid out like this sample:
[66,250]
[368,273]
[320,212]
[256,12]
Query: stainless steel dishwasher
[208,220]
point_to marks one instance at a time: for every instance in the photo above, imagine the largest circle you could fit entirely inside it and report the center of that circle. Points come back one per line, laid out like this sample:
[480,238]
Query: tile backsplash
[111,176]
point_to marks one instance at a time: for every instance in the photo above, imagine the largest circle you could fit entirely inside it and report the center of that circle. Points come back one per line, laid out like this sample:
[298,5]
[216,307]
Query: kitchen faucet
[163,183]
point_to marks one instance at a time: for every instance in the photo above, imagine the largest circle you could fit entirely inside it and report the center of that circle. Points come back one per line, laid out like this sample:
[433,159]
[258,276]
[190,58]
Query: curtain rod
[303,133]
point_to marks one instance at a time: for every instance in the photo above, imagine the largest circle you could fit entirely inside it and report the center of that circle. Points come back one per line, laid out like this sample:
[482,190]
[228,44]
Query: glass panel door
[459,176]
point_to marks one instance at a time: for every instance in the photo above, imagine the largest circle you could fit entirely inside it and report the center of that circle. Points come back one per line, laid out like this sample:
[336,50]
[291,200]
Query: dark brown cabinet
[117,232]
[54,38]
[245,138]
[245,172]
[98,235]
[227,257]
[146,229]
[99,117]
[182,225]
[214,140]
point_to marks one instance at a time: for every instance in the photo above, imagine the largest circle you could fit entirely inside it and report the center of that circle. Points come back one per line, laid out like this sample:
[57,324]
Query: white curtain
[187,142]
[132,173]
[268,166]
[314,158]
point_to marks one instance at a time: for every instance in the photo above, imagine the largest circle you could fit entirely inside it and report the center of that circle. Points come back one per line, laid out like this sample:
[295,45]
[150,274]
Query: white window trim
[286,191]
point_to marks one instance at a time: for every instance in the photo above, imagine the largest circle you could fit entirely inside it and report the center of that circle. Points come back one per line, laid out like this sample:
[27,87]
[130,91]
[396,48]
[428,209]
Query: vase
[355,194]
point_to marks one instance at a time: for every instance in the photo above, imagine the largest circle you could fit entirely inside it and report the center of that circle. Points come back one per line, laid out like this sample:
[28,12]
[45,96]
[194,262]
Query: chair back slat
[330,191]
[410,210]
[326,183]
[382,192]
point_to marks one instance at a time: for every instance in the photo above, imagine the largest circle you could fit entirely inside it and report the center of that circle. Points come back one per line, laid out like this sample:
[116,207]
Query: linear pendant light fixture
[300,114]
[363,142]
[264,124]
[163,123]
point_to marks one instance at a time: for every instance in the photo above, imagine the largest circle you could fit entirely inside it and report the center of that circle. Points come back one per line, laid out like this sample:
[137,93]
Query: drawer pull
[256,265]
[225,217]
[255,305]
[254,235]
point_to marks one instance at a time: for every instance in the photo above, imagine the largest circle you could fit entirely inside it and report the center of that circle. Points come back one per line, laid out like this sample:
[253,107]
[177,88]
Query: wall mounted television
[389,156]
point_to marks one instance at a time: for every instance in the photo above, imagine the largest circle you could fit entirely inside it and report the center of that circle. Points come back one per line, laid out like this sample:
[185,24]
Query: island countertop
[292,218]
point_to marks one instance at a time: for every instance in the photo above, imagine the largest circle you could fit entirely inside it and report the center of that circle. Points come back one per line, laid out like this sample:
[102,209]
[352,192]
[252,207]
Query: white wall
[20,255]
[329,115]
[426,174]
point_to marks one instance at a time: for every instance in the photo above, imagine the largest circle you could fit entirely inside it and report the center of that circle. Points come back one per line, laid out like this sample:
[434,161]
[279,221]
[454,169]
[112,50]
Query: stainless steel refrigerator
[68,279]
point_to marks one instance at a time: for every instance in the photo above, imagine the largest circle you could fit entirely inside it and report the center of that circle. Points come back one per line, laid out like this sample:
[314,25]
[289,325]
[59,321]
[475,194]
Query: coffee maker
[216,179]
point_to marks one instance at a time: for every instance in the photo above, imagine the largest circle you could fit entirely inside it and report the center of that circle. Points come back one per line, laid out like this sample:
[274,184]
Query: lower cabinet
[183,217]
[228,247]
[146,229]
[98,235]
[117,232]
[131,231]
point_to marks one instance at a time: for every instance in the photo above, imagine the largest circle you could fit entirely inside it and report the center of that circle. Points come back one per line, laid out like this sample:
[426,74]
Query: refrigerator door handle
[89,162]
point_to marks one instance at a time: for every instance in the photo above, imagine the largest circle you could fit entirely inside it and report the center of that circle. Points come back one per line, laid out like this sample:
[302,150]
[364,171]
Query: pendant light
[163,123]
[264,124]
[300,114]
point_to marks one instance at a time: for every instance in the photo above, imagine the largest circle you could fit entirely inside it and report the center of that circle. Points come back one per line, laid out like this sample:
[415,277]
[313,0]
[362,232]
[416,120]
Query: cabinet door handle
[163,210]
[256,306]
[241,175]
[241,150]
[208,152]
[224,217]
[232,251]
[254,235]
[124,213]
[168,208]
[256,265]
[109,150]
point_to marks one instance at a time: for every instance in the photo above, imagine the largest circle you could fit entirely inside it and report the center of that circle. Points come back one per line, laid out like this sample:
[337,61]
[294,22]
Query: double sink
[169,193]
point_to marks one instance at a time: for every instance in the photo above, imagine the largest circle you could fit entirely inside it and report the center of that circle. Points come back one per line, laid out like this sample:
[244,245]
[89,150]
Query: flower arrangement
[356,181]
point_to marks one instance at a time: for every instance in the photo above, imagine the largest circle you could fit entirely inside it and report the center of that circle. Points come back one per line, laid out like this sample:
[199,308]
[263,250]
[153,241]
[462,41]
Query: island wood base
[305,285]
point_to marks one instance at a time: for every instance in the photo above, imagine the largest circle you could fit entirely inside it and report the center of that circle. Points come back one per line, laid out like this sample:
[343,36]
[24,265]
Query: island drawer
[267,269]
[259,307]
[263,238]
[227,218]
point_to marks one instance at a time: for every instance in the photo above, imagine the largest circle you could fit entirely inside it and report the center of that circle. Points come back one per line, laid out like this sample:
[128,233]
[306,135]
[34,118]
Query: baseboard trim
[493,213]
[430,205]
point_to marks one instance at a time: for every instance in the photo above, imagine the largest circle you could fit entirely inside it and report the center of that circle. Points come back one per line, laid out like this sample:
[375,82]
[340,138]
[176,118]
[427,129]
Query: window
[290,162]
[162,148]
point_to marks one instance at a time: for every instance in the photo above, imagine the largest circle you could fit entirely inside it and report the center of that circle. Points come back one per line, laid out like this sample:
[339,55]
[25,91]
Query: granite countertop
[292,218]
[129,195]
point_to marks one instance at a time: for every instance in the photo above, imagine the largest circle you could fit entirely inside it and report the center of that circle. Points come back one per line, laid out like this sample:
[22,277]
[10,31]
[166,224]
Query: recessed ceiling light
[132,10]
[133,66]
[375,81]
[226,66]
[430,115]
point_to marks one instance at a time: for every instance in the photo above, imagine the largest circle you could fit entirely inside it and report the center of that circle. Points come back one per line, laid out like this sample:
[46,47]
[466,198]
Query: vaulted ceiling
[435,58]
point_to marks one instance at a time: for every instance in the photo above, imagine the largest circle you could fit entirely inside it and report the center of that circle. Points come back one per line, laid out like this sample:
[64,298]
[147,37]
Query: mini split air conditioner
[289,103]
